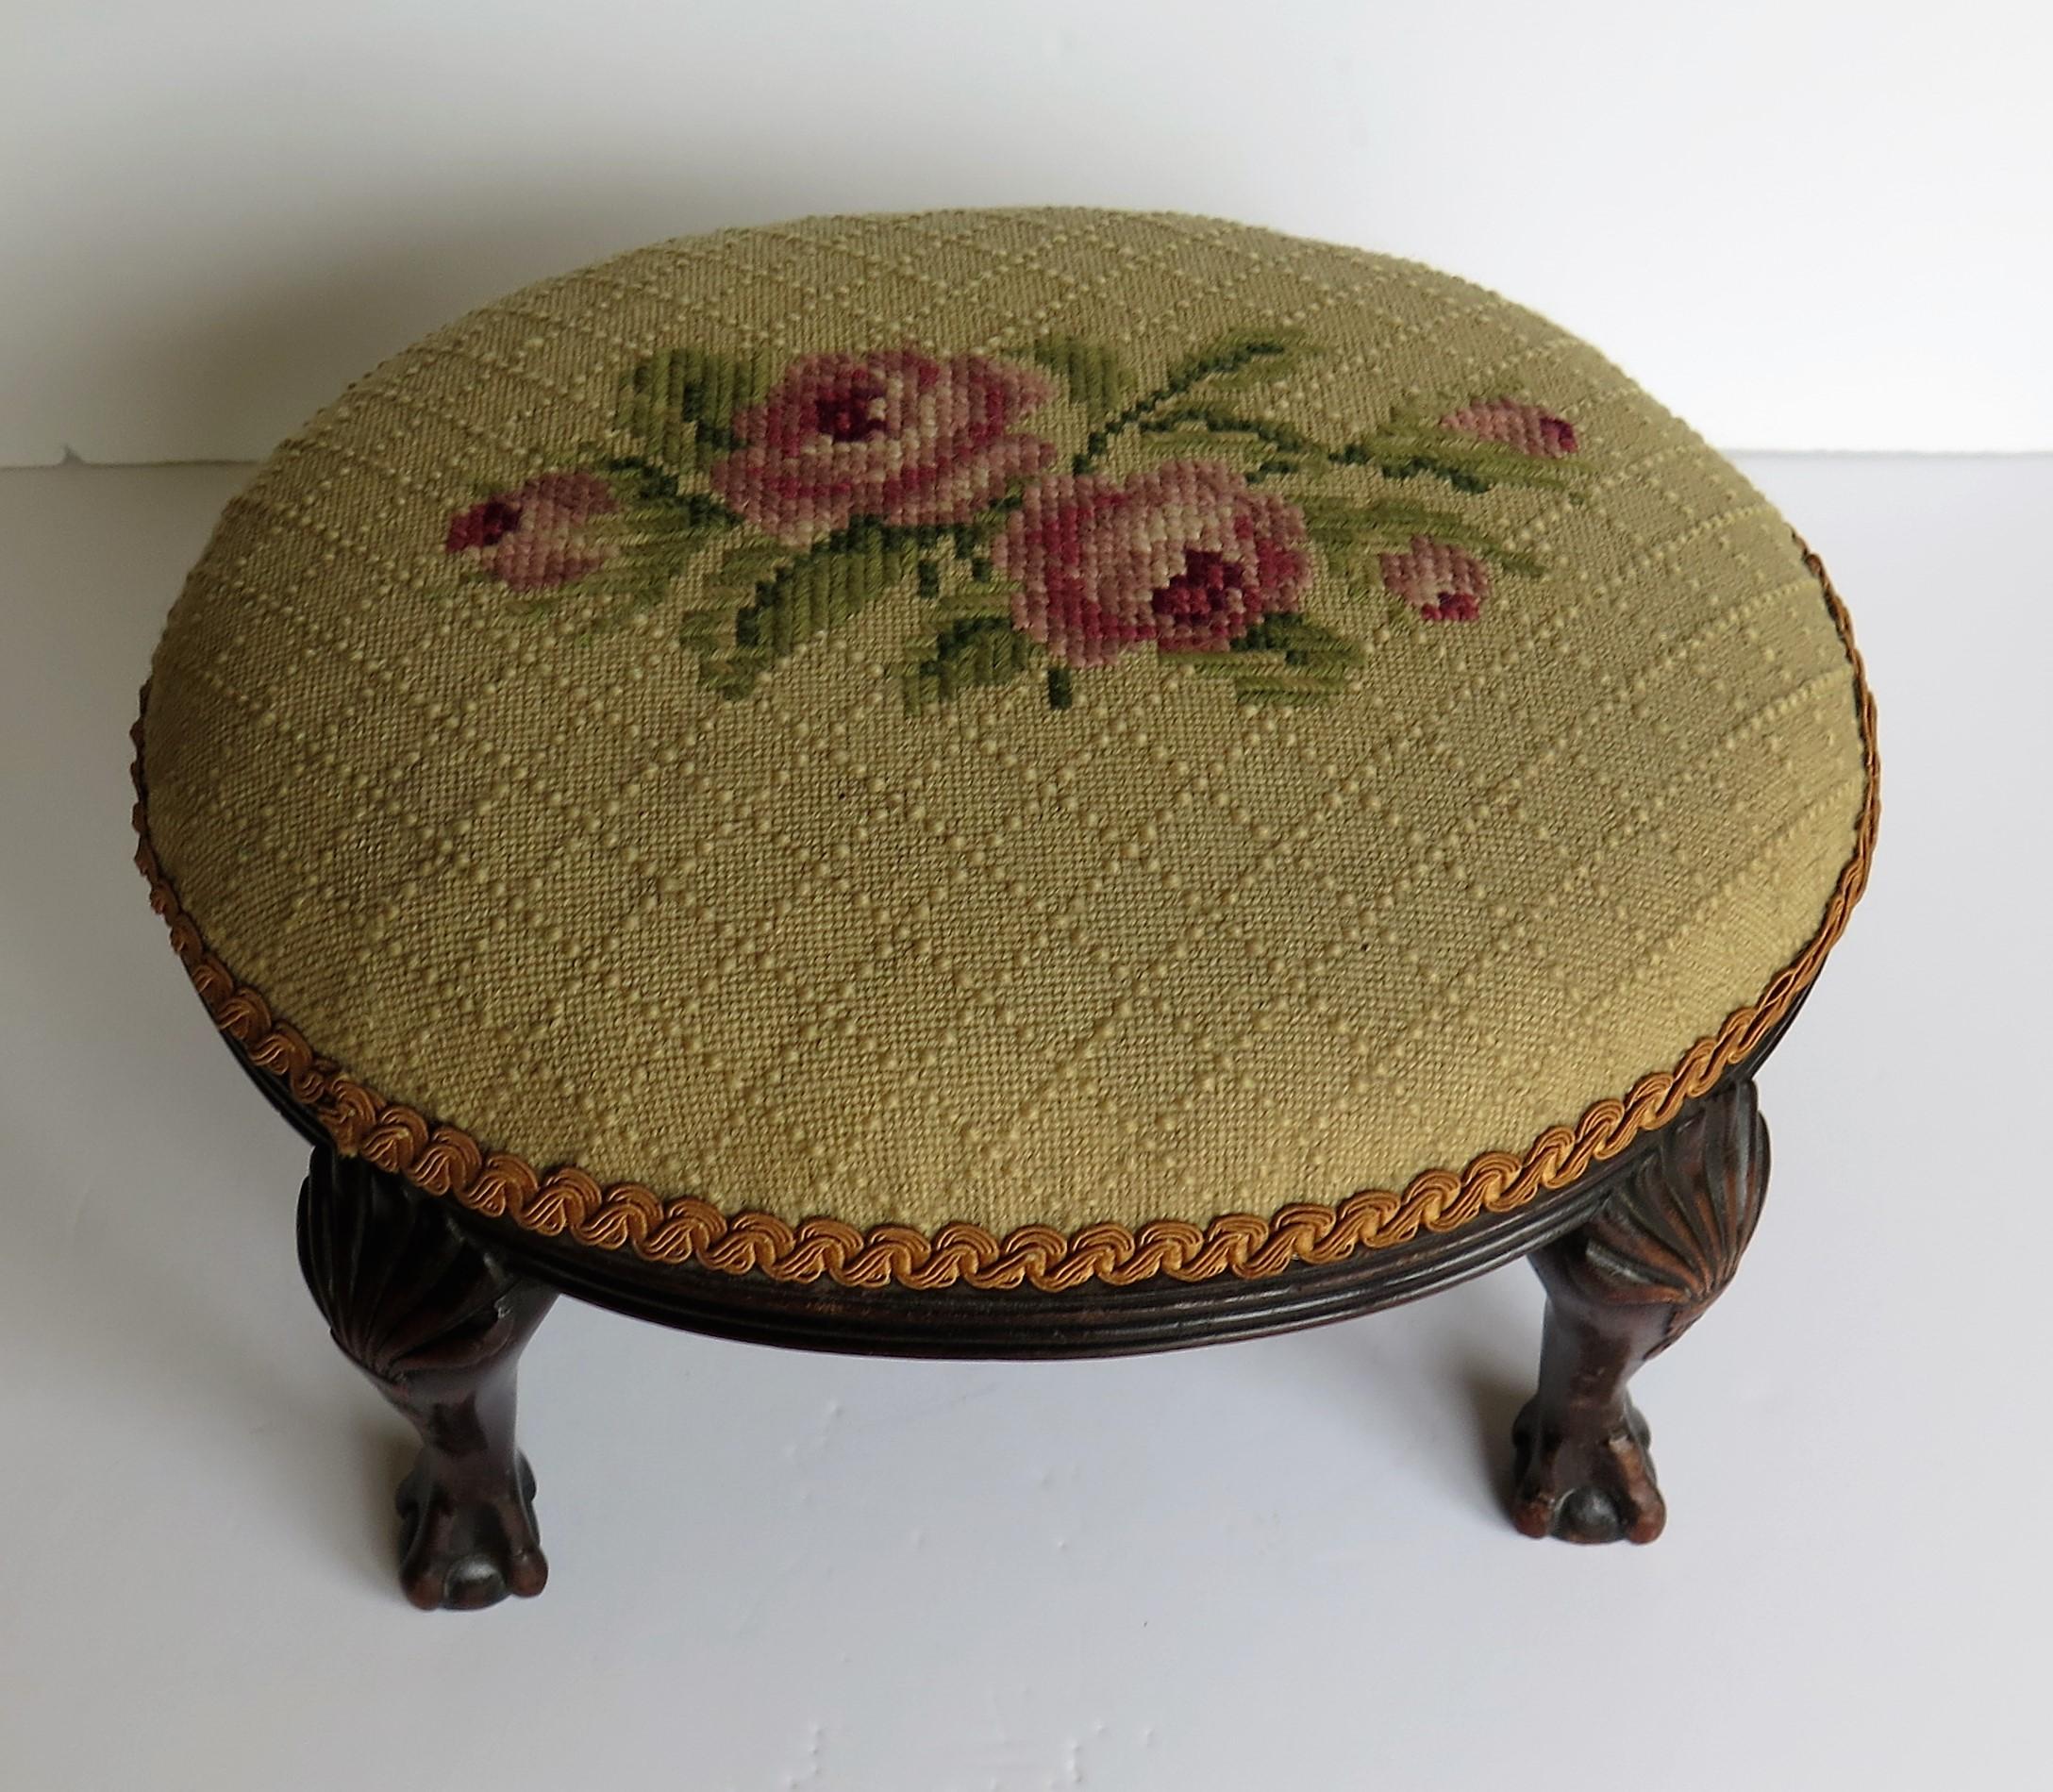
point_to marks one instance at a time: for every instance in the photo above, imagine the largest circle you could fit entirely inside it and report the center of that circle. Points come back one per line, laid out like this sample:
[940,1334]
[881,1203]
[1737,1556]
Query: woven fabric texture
[1010,717]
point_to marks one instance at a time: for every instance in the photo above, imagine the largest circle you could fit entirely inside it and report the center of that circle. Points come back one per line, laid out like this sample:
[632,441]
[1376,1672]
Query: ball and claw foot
[1621,1289]
[436,1322]
[1596,1490]
[463,1556]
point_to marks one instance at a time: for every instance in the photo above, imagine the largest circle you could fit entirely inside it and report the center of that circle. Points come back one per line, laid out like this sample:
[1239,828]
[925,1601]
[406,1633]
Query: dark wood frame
[434,1303]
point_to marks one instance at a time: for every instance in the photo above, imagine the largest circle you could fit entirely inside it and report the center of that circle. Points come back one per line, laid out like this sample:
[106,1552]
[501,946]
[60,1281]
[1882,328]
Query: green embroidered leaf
[1276,449]
[681,403]
[1404,448]
[645,484]
[820,589]
[748,565]
[1332,522]
[976,650]
[634,581]
[975,598]
[1282,659]
[1097,378]
[700,631]
[1300,639]
[1218,422]
[1345,529]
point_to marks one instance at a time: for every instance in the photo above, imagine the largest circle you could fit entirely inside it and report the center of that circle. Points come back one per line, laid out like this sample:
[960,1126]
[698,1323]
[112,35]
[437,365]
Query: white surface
[1277,1565]
[1803,223]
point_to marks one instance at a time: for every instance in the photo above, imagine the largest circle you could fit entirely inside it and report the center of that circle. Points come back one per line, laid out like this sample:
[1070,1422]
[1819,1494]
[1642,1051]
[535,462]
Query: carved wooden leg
[1620,1289]
[438,1323]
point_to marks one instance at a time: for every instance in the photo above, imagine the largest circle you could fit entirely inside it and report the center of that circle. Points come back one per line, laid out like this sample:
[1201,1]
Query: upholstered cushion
[1040,720]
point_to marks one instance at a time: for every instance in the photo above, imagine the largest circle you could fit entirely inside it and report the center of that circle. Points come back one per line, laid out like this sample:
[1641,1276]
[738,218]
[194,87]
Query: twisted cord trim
[566,1201]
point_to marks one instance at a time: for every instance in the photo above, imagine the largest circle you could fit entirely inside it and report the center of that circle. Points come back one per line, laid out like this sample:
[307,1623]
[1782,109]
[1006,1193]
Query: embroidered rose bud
[1525,429]
[893,434]
[1442,583]
[1187,555]
[536,536]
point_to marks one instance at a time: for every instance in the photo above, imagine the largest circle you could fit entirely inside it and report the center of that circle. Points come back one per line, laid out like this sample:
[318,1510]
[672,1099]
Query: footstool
[1003,783]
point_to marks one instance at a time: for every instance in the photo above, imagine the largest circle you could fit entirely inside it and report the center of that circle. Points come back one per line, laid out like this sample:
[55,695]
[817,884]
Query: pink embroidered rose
[1524,428]
[535,537]
[1442,583]
[1188,555]
[893,434]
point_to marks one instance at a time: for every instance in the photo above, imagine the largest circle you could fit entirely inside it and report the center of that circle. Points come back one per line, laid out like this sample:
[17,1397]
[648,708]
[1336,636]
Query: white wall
[1804,223]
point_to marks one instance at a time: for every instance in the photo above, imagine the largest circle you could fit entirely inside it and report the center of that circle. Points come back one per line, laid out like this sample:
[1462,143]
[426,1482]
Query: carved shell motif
[1673,1232]
[401,1286]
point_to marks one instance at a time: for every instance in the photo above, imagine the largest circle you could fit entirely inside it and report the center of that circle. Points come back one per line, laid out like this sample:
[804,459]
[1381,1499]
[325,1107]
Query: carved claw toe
[1595,1490]
[463,1556]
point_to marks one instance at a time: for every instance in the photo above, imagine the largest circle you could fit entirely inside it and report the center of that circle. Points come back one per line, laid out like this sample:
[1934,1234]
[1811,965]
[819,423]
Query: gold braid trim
[445,1159]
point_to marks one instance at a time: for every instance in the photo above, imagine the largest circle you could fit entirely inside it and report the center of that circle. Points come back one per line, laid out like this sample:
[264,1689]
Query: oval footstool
[1003,783]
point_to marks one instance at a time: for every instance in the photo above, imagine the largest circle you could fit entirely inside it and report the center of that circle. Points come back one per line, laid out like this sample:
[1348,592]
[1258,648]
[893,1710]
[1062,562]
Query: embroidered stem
[1227,361]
